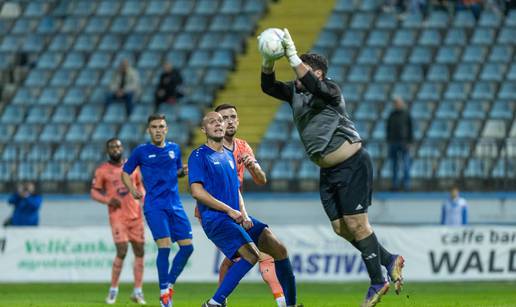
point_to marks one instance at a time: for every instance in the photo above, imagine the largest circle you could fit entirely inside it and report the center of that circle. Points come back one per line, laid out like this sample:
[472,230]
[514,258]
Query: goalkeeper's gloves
[290,49]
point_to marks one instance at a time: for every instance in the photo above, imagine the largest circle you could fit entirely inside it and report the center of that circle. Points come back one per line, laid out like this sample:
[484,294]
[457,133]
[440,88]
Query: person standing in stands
[167,90]
[454,210]
[26,203]
[400,137]
[124,86]
[125,217]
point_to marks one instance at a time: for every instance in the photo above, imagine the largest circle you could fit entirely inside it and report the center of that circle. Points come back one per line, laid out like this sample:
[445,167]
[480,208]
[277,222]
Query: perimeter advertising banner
[317,254]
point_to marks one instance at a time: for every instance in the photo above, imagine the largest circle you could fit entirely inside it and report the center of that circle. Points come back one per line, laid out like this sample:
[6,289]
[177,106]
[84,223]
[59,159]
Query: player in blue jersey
[214,184]
[160,165]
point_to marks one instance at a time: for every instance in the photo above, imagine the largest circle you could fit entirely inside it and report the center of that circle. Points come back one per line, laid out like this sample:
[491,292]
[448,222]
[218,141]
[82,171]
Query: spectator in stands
[509,5]
[455,209]
[399,136]
[26,203]
[124,86]
[169,81]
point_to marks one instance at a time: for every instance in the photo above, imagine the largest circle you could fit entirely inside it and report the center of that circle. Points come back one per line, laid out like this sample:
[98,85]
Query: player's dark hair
[154,117]
[225,106]
[111,140]
[316,61]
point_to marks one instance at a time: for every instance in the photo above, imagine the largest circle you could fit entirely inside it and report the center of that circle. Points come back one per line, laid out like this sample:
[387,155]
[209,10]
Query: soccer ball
[269,43]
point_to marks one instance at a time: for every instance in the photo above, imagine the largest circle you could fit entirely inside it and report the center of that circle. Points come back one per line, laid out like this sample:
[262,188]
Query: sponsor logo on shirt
[151,156]
[171,154]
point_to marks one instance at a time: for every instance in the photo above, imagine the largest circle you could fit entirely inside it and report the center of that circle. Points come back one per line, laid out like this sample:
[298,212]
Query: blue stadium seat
[147,24]
[507,90]
[477,168]
[89,114]
[448,55]
[277,131]
[362,20]
[430,148]
[122,25]
[378,38]
[344,6]
[160,41]
[61,42]
[360,73]
[254,7]
[386,73]
[457,90]
[74,96]
[84,8]
[293,150]
[404,37]
[94,152]
[196,23]
[386,21]
[369,55]
[86,43]
[38,115]
[412,73]
[429,38]
[36,9]
[222,59]
[377,92]
[283,170]
[49,60]
[33,43]
[501,54]
[502,109]
[459,148]
[88,77]
[405,90]
[149,59]
[422,168]
[206,7]
[468,129]
[377,149]
[79,133]
[42,152]
[450,168]
[115,113]
[464,19]
[353,38]
[379,131]
[200,58]
[24,96]
[507,36]
[337,73]
[364,128]
[308,171]
[367,110]
[110,42]
[437,20]
[475,109]
[50,96]
[132,132]
[494,128]
[422,110]
[12,153]
[182,7]
[99,59]
[7,131]
[157,7]
[456,37]
[449,109]
[24,25]
[489,19]
[97,25]
[439,73]
[37,78]
[493,72]
[80,171]
[484,90]
[466,72]
[220,23]
[53,171]
[185,41]
[13,114]
[421,55]
[66,152]
[132,7]
[430,91]
[73,25]
[11,43]
[108,8]
[136,42]
[53,133]
[504,168]
[440,129]
[336,21]
[27,171]
[104,131]
[474,54]
[483,36]
[352,91]
[27,133]
[343,56]
[190,114]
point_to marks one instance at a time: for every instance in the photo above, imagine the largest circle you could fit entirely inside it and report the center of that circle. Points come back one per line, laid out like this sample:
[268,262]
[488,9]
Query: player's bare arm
[202,196]
[254,168]
[247,222]
[126,179]
[183,171]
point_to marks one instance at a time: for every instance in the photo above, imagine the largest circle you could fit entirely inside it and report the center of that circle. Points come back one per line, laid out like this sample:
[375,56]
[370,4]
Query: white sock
[163,291]
[171,286]
[281,301]
[213,302]
[137,291]
[113,289]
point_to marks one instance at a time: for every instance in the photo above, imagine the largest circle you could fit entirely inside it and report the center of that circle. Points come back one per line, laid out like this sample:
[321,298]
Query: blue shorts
[229,236]
[169,222]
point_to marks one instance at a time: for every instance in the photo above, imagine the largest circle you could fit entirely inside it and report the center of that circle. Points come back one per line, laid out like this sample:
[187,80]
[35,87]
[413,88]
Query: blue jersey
[216,171]
[159,166]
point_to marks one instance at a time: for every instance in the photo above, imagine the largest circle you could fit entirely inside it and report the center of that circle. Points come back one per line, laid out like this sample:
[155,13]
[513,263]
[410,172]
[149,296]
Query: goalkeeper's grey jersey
[319,113]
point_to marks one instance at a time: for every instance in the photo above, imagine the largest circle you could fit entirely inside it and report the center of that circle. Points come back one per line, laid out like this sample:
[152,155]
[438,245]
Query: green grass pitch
[257,295]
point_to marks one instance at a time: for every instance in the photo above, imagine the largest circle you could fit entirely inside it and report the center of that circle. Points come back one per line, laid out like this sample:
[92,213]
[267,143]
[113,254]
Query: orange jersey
[240,149]
[108,181]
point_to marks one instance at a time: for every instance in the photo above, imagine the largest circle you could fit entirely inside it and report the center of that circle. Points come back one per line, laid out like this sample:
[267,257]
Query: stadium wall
[50,254]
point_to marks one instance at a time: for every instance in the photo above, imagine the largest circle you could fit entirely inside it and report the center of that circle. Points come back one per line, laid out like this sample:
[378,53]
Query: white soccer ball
[269,43]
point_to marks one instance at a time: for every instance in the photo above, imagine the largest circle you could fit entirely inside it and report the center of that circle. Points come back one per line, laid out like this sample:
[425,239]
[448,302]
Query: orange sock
[115,271]
[224,267]
[138,272]
[269,276]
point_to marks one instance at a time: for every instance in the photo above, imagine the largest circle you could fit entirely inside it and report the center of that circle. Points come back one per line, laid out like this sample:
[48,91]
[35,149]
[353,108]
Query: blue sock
[179,262]
[235,273]
[162,264]
[287,280]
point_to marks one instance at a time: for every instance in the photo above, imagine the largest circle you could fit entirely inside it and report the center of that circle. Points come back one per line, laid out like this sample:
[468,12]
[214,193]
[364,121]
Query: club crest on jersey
[171,154]
[231,164]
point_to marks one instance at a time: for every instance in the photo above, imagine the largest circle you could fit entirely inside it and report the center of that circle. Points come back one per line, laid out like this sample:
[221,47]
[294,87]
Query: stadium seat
[132,7]
[429,38]
[369,55]
[378,38]
[379,131]
[283,170]
[413,21]
[79,133]
[439,73]
[97,25]
[493,72]
[42,152]
[404,38]
[475,109]
[466,72]
[502,109]
[80,171]
[486,148]
[53,171]
[467,129]
[464,19]
[99,60]
[507,36]
[66,152]
[28,171]
[483,90]
[503,169]
[94,152]
[501,54]
[360,73]
[108,8]
[38,115]
[343,56]
[459,148]
[7,132]
[449,109]
[422,110]
[507,90]
[477,168]
[53,133]
[489,19]
[353,38]
[13,114]
[483,36]
[147,24]
[430,148]
[457,90]
[422,168]
[27,133]
[437,20]
[362,21]
[277,131]
[421,55]
[292,150]
[448,55]
[456,37]
[430,91]
[494,128]
[308,171]
[474,54]
[450,168]
[132,132]
[405,90]
[335,22]
[89,114]
[440,129]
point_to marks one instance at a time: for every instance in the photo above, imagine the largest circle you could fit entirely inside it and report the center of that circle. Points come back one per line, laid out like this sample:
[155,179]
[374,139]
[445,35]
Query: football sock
[370,254]
[138,272]
[287,280]
[137,291]
[179,262]
[385,256]
[235,273]
[115,271]
[268,273]
[162,265]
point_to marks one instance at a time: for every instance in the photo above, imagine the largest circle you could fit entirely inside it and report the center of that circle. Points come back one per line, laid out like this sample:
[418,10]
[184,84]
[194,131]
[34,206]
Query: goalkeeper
[333,143]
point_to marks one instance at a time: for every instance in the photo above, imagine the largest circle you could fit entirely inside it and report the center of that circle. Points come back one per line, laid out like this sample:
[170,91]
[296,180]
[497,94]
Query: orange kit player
[125,217]
[245,159]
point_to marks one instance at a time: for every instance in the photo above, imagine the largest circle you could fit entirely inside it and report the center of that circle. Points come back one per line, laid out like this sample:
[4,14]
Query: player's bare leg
[268,272]
[118,262]
[138,250]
